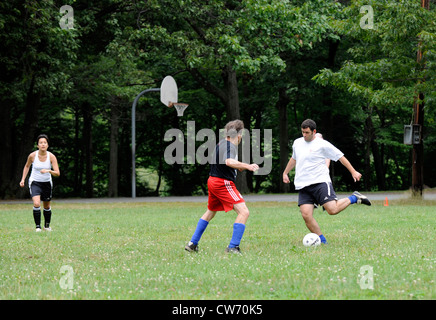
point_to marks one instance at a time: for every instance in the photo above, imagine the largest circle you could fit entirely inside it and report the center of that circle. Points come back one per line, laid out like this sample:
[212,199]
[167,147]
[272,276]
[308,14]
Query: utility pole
[418,119]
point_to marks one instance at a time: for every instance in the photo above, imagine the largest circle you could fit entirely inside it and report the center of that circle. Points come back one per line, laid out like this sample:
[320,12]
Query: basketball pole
[134,137]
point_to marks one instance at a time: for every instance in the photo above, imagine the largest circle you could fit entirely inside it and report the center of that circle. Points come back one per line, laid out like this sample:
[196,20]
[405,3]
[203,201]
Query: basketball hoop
[169,95]
[180,107]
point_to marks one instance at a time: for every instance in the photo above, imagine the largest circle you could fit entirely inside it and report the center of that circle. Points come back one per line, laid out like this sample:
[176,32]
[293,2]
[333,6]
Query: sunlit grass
[135,251]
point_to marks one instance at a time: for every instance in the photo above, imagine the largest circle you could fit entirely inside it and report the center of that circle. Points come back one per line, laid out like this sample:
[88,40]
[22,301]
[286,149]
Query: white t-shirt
[310,158]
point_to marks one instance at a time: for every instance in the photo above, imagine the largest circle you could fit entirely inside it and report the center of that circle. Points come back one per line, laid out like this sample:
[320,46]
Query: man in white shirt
[312,177]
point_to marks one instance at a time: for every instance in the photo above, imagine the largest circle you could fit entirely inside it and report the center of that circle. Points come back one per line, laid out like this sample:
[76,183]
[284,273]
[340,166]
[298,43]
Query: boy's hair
[308,123]
[42,136]
[233,128]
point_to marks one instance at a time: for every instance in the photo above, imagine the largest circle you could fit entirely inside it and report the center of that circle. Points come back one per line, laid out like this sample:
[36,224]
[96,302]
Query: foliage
[382,74]
[249,57]
[383,68]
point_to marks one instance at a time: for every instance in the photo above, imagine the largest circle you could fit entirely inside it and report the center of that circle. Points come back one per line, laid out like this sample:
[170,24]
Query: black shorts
[318,193]
[43,189]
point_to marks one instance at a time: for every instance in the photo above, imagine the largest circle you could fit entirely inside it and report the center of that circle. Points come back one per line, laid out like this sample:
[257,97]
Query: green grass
[135,251]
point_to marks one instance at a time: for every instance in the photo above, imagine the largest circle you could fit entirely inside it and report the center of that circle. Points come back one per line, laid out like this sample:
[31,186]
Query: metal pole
[134,137]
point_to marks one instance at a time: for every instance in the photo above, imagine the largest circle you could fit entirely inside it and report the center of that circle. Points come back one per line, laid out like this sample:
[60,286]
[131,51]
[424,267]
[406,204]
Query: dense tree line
[271,63]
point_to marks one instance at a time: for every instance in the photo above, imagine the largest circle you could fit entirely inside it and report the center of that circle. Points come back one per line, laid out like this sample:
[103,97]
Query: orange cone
[386,203]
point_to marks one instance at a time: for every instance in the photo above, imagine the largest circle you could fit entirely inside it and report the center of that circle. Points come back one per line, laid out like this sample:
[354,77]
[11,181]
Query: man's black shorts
[43,189]
[318,193]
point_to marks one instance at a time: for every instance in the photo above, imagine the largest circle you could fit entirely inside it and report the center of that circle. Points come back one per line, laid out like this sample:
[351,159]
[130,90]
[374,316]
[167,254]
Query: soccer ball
[311,240]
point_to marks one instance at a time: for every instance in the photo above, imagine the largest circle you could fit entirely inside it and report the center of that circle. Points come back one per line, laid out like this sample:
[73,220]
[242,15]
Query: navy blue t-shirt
[218,168]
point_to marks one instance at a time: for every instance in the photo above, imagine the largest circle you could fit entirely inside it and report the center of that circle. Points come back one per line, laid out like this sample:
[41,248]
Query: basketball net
[180,107]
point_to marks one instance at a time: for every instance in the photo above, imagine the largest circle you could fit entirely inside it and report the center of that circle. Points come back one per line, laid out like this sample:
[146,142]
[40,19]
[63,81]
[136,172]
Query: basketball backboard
[168,91]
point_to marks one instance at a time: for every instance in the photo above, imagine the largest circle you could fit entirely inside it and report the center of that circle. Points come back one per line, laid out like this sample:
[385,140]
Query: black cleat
[191,247]
[233,250]
[361,199]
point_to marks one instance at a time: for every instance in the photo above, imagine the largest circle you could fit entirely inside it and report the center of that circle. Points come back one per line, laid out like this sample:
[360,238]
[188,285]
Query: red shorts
[222,194]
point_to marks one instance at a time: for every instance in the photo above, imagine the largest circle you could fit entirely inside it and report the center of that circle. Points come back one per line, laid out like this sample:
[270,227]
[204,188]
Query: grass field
[136,251]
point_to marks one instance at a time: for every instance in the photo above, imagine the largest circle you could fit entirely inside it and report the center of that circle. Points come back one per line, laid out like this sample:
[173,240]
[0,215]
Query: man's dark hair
[308,123]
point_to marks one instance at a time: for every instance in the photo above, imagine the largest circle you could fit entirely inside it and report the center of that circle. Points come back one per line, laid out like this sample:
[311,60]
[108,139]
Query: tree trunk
[6,156]
[418,152]
[282,104]
[78,163]
[232,106]
[87,137]
[378,164]
[232,99]
[27,144]
[367,160]
[113,151]
[418,116]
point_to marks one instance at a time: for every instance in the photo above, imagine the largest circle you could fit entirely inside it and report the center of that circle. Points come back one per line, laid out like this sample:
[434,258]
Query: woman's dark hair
[42,136]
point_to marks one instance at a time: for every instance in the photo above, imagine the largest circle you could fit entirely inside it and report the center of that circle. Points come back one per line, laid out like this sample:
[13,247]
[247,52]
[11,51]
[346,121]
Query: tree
[103,79]
[35,61]
[220,41]
[252,59]
[384,73]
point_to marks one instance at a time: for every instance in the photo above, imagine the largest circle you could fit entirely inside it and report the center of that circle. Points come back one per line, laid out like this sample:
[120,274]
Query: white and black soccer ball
[311,240]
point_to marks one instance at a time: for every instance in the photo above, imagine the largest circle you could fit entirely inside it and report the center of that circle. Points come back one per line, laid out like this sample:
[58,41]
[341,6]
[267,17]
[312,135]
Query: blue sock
[201,226]
[323,239]
[353,198]
[238,231]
